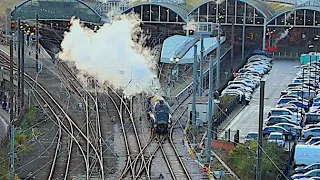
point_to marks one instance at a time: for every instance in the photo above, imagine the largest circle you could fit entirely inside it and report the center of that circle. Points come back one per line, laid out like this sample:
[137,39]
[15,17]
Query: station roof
[180,10]
[175,44]
[55,10]
[266,10]
[269,8]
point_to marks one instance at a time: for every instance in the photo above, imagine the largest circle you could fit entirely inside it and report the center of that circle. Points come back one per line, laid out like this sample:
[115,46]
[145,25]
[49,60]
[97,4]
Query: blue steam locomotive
[159,113]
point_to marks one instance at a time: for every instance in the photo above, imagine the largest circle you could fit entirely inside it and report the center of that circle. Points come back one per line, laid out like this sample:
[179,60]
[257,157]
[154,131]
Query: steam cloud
[219,1]
[112,54]
[282,35]
[191,25]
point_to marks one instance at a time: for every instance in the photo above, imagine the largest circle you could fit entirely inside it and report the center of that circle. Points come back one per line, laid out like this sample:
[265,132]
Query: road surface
[282,73]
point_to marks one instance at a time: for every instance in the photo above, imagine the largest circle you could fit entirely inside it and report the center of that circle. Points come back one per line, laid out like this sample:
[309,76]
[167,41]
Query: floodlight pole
[22,69]
[264,35]
[37,42]
[243,31]
[18,63]
[232,46]
[201,68]
[210,113]
[194,91]
[218,57]
[11,112]
[259,154]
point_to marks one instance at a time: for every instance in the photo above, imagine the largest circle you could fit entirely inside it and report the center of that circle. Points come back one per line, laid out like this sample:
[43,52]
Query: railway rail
[69,127]
[136,161]
[92,122]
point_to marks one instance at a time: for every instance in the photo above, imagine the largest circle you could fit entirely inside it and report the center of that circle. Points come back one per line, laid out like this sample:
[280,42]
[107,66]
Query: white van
[306,154]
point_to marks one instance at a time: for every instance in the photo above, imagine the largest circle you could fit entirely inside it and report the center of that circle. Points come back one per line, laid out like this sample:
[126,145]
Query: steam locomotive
[159,113]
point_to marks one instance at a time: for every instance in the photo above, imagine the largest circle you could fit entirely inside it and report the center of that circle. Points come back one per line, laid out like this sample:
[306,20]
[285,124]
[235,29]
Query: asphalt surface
[282,73]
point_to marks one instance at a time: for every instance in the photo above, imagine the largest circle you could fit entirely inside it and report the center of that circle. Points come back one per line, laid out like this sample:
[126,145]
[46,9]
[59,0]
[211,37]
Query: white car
[251,136]
[251,85]
[309,133]
[290,127]
[241,87]
[276,137]
[247,96]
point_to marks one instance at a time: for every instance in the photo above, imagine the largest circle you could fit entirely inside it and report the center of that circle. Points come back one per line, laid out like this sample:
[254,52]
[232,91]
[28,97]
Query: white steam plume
[112,54]
[288,16]
[191,25]
[219,1]
[282,35]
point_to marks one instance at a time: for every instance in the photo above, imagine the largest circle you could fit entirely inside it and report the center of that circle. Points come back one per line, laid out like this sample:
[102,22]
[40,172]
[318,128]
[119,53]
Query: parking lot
[282,73]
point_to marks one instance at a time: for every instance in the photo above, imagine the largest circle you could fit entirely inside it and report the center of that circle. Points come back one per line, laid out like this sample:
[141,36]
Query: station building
[283,26]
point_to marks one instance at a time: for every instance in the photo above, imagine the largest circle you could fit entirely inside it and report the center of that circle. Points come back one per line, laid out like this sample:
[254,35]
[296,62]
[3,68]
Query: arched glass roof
[261,6]
[299,15]
[55,10]
[181,11]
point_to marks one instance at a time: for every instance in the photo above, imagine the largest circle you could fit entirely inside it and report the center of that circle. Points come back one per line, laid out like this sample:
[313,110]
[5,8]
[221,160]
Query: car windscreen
[312,118]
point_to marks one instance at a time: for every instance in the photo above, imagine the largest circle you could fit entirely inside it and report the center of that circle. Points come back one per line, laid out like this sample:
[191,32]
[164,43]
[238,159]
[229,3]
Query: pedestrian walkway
[30,53]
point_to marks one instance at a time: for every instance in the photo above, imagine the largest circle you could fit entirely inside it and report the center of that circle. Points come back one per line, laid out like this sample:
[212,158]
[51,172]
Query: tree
[243,158]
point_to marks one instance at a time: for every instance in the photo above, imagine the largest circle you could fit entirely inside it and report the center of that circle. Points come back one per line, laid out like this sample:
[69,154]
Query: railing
[223,114]
[286,54]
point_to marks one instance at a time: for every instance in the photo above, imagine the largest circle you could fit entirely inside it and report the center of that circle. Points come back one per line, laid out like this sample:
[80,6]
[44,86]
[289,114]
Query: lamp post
[176,60]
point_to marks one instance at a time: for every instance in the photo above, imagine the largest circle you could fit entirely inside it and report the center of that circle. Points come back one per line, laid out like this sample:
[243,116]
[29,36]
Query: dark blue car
[288,134]
[300,104]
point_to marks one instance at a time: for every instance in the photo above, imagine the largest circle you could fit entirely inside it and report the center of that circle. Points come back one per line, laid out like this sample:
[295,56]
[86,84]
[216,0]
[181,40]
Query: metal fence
[223,114]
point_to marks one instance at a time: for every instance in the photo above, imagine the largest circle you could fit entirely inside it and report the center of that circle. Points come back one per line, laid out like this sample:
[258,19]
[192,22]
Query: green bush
[243,159]
[30,118]
[225,100]
[4,164]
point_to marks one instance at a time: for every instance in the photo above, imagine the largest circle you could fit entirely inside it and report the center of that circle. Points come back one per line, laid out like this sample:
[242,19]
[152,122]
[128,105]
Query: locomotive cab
[159,115]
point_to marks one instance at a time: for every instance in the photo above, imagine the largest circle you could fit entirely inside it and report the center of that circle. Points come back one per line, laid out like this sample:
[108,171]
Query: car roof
[253,133]
[285,124]
[276,127]
[284,109]
[313,128]
[276,133]
[278,117]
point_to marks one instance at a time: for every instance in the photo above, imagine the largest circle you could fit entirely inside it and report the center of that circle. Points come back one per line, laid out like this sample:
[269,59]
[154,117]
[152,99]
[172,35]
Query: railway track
[68,125]
[91,124]
[135,160]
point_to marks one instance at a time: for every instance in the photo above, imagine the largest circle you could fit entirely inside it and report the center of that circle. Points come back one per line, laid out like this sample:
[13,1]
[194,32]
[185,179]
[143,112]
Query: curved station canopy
[255,12]
[62,10]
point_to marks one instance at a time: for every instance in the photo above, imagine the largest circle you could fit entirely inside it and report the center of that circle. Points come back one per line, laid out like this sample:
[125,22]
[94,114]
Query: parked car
[301,104]
[272,120]
[306,168]
[293,118]
[262,53]
[240,87]
[251,85]
[288,134]
[276,137]
[308,174]
[251,136]
[282,111]
[285,100]
[309,126]
[290,127]
[248,80]
[312,140]
[311,118]
[305,155]
[316,144]
[309,133]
